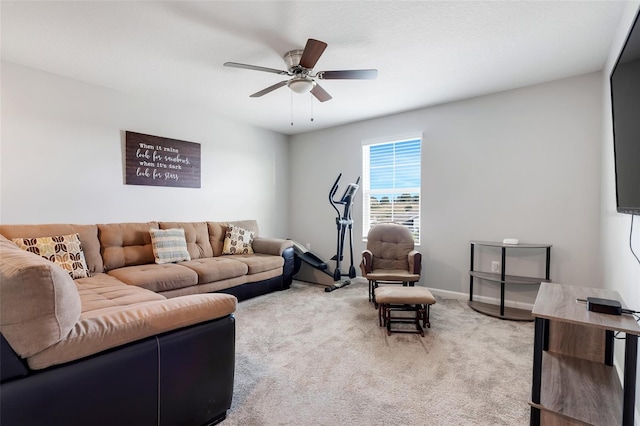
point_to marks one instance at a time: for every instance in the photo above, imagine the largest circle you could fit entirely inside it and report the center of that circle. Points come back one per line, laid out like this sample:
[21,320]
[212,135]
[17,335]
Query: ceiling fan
[300,65]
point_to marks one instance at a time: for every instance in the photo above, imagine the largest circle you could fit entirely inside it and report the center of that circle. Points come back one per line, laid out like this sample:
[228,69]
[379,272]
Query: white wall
[62,158]
[621,272]
[522,163]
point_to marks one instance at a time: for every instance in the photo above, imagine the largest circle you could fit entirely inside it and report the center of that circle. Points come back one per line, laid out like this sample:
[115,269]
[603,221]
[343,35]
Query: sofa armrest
[273,246]
[415,262]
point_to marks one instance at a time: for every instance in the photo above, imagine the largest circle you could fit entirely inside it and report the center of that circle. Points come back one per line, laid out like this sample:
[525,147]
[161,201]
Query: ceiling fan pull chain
[291,93]
[311,100]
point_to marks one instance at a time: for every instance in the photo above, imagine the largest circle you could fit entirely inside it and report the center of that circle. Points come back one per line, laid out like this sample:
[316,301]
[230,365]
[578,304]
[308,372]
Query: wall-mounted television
[625,108]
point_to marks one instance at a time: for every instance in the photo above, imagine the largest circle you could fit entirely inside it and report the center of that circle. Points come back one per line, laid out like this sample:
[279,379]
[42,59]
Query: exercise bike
[344,222]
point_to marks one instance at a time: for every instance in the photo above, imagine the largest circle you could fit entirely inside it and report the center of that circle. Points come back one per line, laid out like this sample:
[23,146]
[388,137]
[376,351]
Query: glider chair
[390,257]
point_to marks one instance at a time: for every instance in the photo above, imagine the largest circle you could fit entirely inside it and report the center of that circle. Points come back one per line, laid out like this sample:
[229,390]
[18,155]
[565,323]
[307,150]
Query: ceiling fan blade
[348,75]
[269,89]
[312,52]
[320,93]
[254,67]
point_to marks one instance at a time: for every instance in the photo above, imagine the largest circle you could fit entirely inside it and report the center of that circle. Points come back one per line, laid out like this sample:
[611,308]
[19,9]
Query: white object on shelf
[513,241]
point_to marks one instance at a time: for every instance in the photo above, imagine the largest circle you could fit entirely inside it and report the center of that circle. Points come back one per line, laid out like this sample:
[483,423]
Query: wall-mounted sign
[156,161]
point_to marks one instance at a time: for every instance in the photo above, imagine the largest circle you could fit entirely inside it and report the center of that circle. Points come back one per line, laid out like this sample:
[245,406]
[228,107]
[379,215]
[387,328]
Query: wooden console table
[573,360]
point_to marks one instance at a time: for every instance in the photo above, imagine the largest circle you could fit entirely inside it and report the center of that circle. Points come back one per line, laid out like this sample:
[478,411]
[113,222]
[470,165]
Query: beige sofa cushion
[258,262]
[197,236]
[216,268]
[39,302]
[88,237]
[168,276]
[125,324]
[126,244]
[102,292]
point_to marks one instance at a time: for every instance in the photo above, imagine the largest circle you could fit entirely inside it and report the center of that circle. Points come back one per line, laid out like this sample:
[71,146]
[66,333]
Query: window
[391,184]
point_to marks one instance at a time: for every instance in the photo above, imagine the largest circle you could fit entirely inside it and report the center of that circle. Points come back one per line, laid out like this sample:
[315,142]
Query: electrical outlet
[495,266]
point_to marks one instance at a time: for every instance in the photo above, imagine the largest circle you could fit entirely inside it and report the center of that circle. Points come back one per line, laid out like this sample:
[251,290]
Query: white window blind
[391,184]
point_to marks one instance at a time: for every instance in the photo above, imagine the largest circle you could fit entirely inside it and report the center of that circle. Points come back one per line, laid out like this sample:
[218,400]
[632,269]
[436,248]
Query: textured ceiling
[426,52]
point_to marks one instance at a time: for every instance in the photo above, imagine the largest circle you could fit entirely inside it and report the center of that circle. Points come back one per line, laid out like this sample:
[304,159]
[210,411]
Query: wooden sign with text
[156,161]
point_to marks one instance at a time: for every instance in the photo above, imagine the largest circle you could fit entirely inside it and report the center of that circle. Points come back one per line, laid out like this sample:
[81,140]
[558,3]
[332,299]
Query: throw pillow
[63,250]
[169,245]
[237,241]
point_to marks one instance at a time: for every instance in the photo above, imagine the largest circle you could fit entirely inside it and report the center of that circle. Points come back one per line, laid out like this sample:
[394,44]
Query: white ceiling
[426,52]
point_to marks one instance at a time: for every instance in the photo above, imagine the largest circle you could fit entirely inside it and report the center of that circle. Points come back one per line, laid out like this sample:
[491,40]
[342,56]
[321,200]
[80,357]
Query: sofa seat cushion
[103,292]
[215,269]
[258,262]
[155,277]
[125,324]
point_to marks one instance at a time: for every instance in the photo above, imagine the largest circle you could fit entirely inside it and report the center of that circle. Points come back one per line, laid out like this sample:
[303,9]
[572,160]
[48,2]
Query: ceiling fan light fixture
[301,85]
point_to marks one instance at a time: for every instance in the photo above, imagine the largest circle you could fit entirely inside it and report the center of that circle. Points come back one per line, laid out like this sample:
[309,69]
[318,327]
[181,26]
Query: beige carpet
[306,357]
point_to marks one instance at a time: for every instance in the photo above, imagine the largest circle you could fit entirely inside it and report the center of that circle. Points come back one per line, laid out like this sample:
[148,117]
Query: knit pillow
[237,241]
[63,250]
[169,245]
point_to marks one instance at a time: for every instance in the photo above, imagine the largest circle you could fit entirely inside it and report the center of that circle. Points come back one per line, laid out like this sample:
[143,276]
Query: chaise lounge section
[135,342]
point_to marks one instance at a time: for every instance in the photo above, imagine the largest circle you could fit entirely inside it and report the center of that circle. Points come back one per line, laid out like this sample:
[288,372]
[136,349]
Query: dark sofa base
[181,377]
[249,290]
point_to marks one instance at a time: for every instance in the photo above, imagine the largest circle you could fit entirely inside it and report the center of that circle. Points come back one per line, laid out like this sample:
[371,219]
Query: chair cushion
[390,245]
[404,295]
[392,275]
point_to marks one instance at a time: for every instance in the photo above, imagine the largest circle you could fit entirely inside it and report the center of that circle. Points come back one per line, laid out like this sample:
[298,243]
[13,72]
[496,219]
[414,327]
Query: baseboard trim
[448,294]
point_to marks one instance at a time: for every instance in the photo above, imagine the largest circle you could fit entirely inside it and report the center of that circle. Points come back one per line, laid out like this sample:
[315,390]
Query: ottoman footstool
[404,299]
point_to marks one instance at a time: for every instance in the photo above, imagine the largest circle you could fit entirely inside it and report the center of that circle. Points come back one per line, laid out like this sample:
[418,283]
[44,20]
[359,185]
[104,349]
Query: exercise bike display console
[344,222]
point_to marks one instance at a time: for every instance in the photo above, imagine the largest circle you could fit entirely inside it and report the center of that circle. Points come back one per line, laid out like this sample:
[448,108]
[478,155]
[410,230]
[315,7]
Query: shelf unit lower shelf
[574,379]
[492,310]
[500,310]
[561,398]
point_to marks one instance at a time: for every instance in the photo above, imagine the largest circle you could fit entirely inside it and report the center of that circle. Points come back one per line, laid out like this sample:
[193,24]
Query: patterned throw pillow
[169,245]
[237,241]
[63,250]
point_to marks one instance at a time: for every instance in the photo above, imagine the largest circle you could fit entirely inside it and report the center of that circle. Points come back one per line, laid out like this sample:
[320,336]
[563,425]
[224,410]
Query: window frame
[366,183]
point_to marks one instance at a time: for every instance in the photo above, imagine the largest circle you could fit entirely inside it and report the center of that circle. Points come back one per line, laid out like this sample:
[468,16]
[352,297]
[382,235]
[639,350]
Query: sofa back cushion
[126,244]
[88,238]
[197,236]
[39,302]
[218,230]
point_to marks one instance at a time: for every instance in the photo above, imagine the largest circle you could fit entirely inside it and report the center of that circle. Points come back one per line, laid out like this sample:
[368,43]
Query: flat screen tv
[625,105]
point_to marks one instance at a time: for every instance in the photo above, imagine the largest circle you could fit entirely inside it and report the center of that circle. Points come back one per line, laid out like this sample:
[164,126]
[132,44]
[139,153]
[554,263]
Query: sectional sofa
[133,329]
